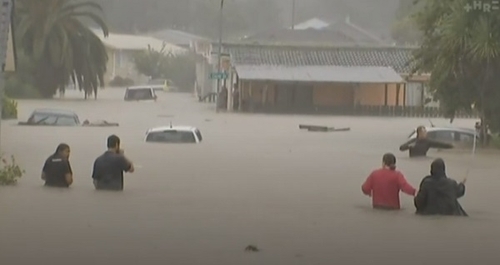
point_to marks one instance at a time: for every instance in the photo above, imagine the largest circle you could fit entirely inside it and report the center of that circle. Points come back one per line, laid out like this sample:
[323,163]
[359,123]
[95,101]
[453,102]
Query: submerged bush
[10,171]
[9,108]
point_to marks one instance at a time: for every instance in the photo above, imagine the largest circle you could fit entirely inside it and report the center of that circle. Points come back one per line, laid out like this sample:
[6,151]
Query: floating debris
[317,128]
[252,248]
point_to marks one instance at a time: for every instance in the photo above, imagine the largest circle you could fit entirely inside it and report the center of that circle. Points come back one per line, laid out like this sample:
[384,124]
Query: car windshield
[171,136]
[139,94]
[53,119]
[157,82]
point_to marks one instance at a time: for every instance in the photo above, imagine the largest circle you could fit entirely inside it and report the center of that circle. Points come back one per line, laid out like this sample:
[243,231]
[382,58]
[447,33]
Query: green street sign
[218,76]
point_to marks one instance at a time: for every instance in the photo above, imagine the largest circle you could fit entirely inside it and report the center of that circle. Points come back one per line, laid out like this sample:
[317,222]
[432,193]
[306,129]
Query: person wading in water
[109,167]
[384,185]
[419,146]
[57,171]
[438,194]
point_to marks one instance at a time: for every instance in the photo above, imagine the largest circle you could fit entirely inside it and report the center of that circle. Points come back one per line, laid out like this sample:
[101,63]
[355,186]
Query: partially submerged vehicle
[458,137]
[139,93]
[174,134]
[52,117]
[62,117]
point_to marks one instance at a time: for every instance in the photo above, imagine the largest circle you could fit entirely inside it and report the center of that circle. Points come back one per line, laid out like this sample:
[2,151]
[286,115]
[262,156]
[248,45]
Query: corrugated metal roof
[398,58]
[134,42]
[359,74]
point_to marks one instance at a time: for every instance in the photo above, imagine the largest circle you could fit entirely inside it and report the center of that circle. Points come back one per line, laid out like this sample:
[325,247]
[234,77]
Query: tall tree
[63,48]
[404,29]
[461,50]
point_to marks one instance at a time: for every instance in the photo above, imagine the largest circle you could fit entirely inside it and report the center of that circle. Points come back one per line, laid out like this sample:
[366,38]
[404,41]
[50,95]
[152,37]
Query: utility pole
[219,56]
[6,8]
[293,14]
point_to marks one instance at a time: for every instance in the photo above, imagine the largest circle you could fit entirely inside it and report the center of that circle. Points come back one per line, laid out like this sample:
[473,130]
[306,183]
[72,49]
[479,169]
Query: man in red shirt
[384,184]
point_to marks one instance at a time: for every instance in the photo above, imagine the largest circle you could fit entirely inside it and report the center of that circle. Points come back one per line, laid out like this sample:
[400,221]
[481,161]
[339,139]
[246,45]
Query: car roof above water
[139,87]
[172,128]
[62,112]
[465,130]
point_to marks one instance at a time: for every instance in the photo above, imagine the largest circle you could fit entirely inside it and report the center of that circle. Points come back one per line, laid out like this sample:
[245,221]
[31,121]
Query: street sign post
[218,76]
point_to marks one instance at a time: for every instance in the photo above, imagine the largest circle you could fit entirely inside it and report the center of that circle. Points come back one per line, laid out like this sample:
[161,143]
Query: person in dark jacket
[438,194]
[57,171]
[419,146]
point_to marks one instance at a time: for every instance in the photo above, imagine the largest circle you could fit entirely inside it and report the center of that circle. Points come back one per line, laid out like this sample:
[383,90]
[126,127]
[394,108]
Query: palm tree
[63,47]
[461,50]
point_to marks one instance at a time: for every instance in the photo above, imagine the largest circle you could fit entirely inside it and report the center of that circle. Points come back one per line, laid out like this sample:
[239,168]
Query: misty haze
[254,189]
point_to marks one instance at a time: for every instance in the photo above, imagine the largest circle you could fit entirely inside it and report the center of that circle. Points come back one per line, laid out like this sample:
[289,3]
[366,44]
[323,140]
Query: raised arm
[420,200]
[406,146]
[405,187]
[460,187]
[126,165]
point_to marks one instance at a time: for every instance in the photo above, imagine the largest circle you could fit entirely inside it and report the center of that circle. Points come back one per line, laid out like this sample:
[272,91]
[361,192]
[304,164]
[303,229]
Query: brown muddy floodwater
[255,179]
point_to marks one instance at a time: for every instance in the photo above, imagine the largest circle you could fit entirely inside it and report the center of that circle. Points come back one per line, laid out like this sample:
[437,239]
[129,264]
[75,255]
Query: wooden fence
[364,110]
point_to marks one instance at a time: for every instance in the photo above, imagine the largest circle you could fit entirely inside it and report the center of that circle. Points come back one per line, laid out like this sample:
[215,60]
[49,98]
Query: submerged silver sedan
[459,137]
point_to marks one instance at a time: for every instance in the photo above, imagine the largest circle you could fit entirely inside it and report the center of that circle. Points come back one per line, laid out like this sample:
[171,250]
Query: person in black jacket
[438,194]
[419,146]
[57,171]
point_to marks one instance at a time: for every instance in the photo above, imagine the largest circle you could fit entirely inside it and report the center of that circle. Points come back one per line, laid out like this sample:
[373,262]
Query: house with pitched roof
[122,48]
[353,32]
[177,37]
[271,77]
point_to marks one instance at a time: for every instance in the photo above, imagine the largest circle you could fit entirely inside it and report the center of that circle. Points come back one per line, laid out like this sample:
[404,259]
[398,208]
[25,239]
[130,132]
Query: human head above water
[389,160]
[438,168]
[63,150]
[113,142]
[421,132]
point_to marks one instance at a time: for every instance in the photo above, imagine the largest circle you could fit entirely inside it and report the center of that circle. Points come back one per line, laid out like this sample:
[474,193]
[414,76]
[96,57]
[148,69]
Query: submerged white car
[174,134]
[139,93]
[455,136]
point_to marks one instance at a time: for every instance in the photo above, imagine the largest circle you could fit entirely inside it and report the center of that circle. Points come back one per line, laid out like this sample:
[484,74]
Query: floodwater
[254,180]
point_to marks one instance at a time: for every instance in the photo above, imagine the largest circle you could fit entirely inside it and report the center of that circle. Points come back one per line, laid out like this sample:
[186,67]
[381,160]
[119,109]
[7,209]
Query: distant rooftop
[135,42]
[177,37]
[345,26]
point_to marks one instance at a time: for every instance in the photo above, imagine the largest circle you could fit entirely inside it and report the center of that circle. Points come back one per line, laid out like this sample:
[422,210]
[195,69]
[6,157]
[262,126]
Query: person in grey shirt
[110,166]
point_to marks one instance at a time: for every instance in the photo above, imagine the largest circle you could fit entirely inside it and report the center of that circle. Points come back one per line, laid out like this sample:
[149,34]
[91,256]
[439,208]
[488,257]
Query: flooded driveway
[255,179]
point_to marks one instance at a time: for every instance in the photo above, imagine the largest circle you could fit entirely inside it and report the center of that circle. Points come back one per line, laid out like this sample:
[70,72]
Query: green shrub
[119,81]
[9,108]
[181,69]
[18,87]
[495,141]
[10,172]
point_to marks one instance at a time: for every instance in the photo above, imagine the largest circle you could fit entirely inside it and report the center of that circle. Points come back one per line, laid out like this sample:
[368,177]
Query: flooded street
[255,179]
